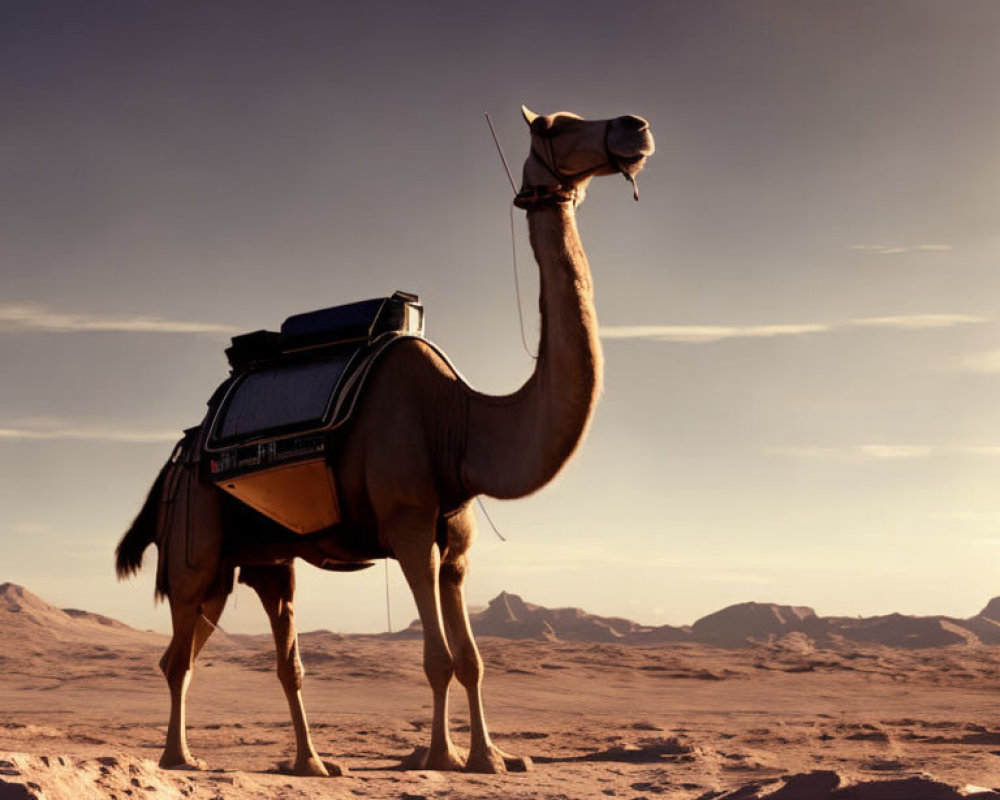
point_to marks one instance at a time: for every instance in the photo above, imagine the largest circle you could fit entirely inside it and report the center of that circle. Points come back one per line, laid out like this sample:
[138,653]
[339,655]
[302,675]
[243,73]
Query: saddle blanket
[266,432]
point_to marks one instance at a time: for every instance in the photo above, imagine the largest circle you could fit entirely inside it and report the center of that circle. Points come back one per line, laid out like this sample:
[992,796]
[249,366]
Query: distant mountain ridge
[32,621]
[744,624]
[510,617]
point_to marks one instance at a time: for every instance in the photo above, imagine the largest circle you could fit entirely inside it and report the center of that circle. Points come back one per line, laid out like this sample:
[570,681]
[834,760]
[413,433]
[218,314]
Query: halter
[564,191]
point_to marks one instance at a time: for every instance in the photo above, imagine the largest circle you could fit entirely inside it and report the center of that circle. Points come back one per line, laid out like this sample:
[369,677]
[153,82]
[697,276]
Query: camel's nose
[631,123]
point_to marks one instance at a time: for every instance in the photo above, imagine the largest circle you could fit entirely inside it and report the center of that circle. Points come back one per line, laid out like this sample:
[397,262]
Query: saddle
[265,437]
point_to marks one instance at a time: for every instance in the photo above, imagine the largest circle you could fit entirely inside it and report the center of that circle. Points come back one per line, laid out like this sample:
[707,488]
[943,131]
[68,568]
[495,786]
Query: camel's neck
[518,443]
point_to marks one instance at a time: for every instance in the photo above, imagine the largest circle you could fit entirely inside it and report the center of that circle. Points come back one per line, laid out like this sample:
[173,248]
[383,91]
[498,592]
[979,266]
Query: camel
[421,447]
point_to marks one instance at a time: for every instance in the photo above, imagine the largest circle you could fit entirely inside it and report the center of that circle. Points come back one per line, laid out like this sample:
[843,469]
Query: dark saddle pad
[282,398]
[288,389]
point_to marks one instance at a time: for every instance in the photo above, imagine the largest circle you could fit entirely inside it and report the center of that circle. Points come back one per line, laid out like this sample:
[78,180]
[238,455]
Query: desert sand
[756,701]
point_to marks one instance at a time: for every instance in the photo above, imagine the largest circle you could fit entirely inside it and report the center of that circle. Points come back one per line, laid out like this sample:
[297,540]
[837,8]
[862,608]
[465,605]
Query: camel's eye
[560,123]
[541,125]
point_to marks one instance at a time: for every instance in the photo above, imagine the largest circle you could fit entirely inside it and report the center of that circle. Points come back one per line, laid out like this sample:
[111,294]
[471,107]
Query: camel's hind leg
[207,621]
[484,756]
[191,632]
[275,585]
[190,542]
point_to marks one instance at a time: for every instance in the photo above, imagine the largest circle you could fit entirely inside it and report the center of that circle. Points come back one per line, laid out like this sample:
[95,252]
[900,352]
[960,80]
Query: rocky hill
[30,620]
[511,617]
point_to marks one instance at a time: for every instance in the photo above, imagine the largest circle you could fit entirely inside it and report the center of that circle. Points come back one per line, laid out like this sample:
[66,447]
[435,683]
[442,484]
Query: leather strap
[544,196]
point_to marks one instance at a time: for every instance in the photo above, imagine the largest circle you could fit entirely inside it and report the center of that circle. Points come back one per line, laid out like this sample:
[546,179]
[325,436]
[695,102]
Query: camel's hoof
[517,763]
[184,762]
[312,768]
[495,761]
[490,763]
[449,760]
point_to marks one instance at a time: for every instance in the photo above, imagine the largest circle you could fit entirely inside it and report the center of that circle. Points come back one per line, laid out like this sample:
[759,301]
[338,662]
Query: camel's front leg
[275,585]
[484,756]
[413,545]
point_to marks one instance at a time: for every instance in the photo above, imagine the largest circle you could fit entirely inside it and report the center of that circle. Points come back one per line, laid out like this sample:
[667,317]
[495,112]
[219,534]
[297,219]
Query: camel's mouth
[630,165]
[630,141]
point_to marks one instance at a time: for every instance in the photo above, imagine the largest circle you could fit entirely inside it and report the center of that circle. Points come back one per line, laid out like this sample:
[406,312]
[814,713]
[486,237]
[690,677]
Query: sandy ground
[81,719]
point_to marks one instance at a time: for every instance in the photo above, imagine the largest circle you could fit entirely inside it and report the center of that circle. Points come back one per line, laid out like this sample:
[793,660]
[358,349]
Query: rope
[486,514]
[517,287]
[517,295]
[214,626]
[388,614]
[496,141]
[513,240]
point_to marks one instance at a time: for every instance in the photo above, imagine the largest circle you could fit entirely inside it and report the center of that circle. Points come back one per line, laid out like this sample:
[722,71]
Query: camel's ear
[529,115]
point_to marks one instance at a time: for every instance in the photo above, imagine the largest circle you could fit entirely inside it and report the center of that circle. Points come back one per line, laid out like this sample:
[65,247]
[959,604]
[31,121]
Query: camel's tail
[128,554]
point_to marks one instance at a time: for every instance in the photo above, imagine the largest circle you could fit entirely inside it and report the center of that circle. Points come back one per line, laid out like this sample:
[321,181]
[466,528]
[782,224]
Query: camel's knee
[453,570]
[438,667]
[291,679]
[174,669]
[291,671]
[469,667]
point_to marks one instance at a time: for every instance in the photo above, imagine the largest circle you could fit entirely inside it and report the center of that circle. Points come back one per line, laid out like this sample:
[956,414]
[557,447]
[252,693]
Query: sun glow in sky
[800,318]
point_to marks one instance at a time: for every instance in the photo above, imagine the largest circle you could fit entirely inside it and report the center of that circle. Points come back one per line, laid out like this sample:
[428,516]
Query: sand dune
[797,709]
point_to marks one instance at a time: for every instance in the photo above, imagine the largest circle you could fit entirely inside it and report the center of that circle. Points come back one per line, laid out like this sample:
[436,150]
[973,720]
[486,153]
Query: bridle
[564,190]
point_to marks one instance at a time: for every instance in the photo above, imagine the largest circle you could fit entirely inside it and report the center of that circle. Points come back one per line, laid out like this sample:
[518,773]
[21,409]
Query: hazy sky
[801,322]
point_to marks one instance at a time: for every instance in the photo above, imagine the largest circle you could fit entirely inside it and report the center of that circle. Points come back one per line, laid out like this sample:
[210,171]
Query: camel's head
[567,151]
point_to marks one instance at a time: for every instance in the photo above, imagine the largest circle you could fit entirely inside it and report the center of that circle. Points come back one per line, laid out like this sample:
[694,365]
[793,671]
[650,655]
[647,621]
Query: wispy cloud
[60,430]
[917,321]
[986,363]
[896,249]
[38,318]
[705,334]
[884,452]
[701,334]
